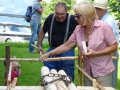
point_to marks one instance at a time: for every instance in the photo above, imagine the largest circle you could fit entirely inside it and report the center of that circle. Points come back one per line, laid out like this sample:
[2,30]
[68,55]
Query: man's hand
[45,56]
[40,49]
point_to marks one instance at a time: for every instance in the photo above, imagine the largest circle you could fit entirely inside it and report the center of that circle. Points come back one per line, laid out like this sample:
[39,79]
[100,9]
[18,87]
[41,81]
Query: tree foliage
[50,7]
[115,8]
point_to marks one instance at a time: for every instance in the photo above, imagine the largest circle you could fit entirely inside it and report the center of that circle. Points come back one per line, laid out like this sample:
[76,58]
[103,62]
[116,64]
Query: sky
[17,7]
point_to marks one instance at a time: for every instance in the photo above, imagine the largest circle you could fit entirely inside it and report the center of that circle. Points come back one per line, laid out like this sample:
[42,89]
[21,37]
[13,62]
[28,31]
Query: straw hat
[103,4]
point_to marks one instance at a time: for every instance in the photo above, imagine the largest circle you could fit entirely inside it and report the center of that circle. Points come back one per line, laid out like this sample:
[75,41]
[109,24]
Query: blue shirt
[111,21]
[36,16]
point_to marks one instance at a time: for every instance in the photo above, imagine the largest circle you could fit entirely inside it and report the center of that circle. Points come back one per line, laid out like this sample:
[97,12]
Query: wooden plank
[42,88]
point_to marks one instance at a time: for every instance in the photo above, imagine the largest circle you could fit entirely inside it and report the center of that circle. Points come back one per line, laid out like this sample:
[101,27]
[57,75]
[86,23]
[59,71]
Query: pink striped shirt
[100,37]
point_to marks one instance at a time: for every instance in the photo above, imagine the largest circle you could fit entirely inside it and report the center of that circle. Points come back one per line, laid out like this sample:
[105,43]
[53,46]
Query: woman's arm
[105,51]
[61,49]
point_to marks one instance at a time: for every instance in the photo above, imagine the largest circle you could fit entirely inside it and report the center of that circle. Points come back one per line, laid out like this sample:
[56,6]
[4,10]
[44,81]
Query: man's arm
[40,39]
[40,10]
[60,49]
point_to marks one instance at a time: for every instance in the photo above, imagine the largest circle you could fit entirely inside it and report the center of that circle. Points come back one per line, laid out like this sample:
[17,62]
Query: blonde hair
[87,10]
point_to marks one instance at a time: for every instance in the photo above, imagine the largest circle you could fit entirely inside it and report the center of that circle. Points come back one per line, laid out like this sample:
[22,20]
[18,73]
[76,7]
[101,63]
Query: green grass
[30,70]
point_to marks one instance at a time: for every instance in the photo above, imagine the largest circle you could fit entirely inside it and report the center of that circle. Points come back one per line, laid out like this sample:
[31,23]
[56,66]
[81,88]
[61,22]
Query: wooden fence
[11,86]
[13,15]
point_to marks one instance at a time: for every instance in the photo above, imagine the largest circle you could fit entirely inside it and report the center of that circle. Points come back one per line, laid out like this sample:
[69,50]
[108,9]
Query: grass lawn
[30,70]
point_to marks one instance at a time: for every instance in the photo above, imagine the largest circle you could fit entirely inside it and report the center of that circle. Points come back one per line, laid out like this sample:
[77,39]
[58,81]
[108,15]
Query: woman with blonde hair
[100,42]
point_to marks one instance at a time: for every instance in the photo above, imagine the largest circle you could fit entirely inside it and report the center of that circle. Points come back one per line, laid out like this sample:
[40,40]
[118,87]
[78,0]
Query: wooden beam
[42,52]
[48,59]
[12,15]
[7,64]
[91,79]
[16,16]
[3,24]
[37,59]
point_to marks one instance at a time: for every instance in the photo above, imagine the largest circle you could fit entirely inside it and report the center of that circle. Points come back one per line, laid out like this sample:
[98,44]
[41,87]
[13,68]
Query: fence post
[7,62]
[80,65]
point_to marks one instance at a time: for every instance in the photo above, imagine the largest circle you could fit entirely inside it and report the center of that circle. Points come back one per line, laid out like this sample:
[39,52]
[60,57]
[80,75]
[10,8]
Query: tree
[50,7]
[115,8]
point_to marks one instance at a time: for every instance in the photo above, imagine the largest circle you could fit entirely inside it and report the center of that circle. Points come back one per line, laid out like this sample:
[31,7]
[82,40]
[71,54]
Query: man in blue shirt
[37,10]
[101,9]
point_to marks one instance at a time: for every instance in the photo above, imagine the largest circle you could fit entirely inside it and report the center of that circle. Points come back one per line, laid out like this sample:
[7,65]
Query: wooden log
[71,86]
[7,63]
[50,86]
[61,58]
[80,65]
[59,83]
[37,48]
[37,59]
[90,78]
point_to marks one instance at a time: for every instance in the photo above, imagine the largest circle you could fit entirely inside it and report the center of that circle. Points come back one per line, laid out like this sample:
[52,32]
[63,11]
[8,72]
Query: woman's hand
[90,52]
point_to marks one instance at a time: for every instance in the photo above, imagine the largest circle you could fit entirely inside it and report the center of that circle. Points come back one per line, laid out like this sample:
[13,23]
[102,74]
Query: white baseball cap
[103,4]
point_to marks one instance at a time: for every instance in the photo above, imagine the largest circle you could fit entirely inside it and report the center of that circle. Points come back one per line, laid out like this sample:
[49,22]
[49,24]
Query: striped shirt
[100,38]
[111,21]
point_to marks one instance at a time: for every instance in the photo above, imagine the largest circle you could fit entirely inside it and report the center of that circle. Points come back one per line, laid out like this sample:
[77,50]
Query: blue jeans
[115,72]
[66,65]
[35,30]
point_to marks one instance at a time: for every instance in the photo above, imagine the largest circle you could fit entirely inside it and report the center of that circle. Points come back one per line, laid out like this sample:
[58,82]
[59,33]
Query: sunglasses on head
[77,16]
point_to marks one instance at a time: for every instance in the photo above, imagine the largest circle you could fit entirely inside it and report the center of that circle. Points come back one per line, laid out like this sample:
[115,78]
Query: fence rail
[2,24]
[12,15]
